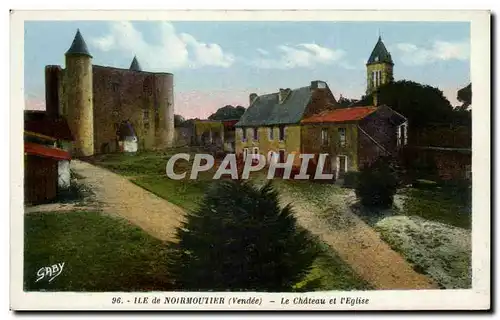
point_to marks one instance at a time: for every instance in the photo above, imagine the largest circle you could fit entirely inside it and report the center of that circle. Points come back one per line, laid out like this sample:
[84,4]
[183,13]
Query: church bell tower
[379,68]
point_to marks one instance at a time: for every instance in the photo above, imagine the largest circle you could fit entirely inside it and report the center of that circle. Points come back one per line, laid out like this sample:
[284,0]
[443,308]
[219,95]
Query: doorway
[341,166]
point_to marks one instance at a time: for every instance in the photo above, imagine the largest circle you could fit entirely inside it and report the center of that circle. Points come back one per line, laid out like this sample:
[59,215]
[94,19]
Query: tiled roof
[266,109]
[380,54]
[341,115]
[78,46]
[44,151]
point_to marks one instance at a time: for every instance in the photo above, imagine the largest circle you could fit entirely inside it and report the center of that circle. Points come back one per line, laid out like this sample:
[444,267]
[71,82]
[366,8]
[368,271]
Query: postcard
[250,160]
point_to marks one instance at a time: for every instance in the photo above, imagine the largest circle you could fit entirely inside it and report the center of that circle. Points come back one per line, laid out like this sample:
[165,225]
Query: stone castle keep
[98,102]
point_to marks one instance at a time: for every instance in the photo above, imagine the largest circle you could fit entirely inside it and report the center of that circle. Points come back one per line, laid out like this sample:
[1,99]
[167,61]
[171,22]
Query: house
[43,130]
[126,137]
[46,163]
[271,124]
[216,133]
[442,152]
[353,137]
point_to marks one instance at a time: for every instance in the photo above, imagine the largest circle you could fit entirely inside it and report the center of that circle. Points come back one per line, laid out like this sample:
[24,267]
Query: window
[324,137]
[402,135]
[145,118]
[271,133]
[255,150]
[255,134]
[243,134]
[282,133]
[245,153]
[342,138]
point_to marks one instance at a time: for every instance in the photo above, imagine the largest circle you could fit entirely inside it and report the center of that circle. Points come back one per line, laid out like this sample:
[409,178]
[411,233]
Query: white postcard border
[476,298]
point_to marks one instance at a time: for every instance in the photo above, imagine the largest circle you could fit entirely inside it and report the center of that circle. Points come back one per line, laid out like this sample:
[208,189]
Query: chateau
[105,106]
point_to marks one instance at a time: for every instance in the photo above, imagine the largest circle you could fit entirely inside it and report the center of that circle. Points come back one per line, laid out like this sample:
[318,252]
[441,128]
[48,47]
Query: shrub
[377,184]
[351,179]
[241,240]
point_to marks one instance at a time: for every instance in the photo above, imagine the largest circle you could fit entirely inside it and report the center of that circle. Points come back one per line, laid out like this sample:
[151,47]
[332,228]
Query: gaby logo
[50,272]
[253,163]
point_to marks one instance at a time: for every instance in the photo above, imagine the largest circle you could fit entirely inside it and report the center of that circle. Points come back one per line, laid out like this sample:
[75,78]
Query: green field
[329,271]
[100,253]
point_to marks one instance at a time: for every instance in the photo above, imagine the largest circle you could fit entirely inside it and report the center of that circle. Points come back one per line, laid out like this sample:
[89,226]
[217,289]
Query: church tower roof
[135,66]
[78,47]
[380,54]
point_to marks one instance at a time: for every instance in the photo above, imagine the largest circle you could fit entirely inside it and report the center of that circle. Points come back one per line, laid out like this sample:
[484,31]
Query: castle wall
[79,113]
[123,95]
[52,80]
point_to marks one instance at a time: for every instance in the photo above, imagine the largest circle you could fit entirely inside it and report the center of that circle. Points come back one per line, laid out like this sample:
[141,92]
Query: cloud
[173,51]
[262,51]
[411,54]
[304,55]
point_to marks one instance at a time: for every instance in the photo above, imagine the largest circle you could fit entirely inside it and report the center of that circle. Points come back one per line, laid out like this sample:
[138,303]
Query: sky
[222,62]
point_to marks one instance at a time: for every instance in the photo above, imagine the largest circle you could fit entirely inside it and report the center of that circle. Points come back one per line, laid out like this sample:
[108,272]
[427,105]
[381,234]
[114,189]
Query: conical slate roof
[135,66]
[78,46]
[380,54]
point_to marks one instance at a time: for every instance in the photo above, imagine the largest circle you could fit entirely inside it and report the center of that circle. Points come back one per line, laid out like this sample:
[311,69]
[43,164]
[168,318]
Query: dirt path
[359,245]
[117,195]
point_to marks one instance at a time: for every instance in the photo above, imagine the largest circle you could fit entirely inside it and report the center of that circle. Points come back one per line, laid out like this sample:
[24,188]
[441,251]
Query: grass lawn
[446,205]
[148,171]
[101,253]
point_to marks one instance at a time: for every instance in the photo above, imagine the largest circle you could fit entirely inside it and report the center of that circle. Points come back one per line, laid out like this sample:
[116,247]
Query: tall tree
[240,239]
[178,120]
[421,104]
[228,112]
[464,95]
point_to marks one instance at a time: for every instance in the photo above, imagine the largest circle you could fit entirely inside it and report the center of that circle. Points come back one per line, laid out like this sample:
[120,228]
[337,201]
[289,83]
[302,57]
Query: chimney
[318,84]
[283,94]
[252,98]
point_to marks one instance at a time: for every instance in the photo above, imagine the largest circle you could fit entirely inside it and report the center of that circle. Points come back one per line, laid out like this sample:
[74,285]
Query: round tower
[165,131]
[79,96]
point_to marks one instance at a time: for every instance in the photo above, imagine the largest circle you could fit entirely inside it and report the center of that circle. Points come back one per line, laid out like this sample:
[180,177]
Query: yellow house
[271,123]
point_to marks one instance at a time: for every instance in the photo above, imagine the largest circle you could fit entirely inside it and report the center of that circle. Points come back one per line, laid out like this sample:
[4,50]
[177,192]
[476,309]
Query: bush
[351,179]
[377,184]
[241,240]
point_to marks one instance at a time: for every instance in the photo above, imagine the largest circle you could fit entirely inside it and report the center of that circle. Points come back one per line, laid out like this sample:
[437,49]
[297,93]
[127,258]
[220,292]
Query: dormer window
[321,85]
[376,59]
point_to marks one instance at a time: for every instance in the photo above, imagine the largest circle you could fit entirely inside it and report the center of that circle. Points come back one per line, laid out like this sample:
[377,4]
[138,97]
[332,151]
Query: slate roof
[341,115]
[78,46]
[380,52]
[266,109]
[135,66]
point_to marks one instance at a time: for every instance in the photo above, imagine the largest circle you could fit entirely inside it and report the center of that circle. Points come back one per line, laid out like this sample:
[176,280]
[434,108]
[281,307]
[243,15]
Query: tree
[421,104]
[377,184]
[241,240]
[178,120]
[227,113]
[464,95]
